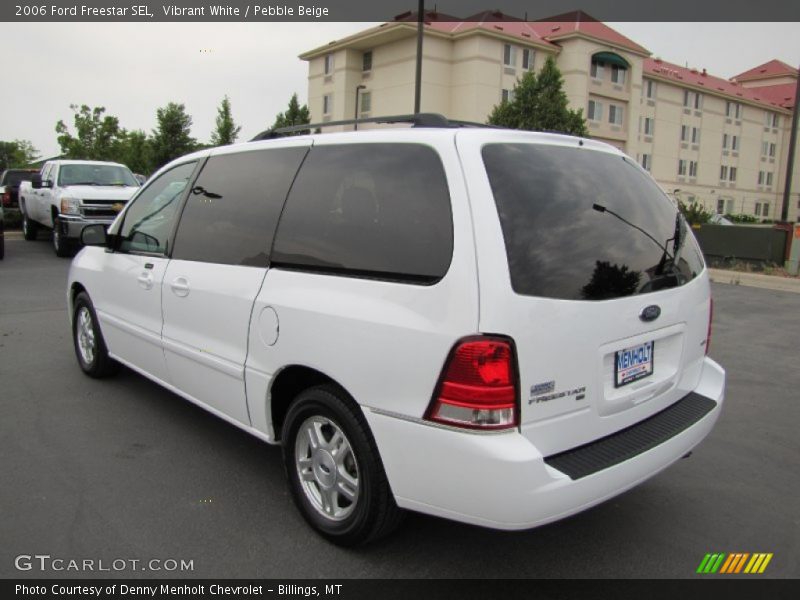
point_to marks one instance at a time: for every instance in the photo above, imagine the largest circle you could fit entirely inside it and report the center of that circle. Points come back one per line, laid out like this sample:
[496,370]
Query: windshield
[12,178]
[585,225]
[90,174]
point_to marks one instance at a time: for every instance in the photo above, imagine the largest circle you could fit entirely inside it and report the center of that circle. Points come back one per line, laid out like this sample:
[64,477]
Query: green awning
[610,58]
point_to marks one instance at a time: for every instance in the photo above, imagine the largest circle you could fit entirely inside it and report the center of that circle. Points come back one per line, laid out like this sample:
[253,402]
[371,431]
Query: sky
[133,68]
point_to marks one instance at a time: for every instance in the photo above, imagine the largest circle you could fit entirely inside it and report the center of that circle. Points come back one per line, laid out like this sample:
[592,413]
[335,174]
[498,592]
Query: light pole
[359,87]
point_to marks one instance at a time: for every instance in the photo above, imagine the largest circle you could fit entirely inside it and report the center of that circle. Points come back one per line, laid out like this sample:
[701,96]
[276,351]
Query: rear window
[12,178]
[585,225]
[368,210]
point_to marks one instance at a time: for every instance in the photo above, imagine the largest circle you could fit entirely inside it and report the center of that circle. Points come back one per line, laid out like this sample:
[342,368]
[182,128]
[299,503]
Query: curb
[767,282]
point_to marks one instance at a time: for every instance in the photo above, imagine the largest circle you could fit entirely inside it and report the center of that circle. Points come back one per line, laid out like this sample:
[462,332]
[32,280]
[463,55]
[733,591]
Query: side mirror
[94,235]
[36,181]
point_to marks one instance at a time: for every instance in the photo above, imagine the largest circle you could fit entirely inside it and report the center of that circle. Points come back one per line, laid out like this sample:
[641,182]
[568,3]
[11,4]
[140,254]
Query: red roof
[773,68]
[545,32]
[701,79]
[577,22]
[782,94]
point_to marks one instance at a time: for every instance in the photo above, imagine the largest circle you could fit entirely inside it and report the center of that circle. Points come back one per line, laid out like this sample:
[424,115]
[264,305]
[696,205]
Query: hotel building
[720,142]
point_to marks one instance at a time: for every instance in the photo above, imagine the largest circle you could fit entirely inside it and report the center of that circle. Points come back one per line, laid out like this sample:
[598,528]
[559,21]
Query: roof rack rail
[416,120]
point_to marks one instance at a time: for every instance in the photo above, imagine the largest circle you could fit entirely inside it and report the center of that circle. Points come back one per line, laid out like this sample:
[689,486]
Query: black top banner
[387,10]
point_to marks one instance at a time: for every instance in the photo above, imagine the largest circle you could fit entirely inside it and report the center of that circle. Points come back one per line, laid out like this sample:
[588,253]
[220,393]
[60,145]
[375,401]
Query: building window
[772,150]
[724,141]
[692,168]
[757,210]
[328,64]
[647,162]
[772,120]
[681,167]
[615,114]
[720,206]
[327,104]
[723,173]
[366,102]
[692,99]
[695,135]
[649,125]
[769,178]
[761,178]
[765,212]
[764,148]
[618,74]
[509,55]
[684,133]
[735,143]
[595,110]
[366,63]
[732,175]
[596,70]
[507,95]
[527,59]
[733,109]
[649,88]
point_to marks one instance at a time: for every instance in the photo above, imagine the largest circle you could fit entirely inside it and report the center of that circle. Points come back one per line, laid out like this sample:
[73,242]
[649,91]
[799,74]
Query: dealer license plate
[633,364]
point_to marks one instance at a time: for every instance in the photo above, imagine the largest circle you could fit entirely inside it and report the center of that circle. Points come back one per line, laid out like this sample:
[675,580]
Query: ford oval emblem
[650,313]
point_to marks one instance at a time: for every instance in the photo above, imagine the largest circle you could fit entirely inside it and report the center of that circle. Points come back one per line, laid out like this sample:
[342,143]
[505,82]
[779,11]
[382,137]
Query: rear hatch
[588,266]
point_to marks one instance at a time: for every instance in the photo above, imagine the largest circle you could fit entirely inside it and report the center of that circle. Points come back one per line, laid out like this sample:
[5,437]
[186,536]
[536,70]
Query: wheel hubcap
[327,468]
[85,332]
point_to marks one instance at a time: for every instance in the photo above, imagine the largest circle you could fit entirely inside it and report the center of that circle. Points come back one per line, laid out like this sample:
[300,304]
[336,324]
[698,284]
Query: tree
[136,151]
[540,104]
[19,153]
[172,137]
[227,131]
[97,137]
[294,115]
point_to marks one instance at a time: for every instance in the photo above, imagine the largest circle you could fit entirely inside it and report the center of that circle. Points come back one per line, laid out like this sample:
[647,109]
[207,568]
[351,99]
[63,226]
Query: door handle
[145,280]
[180,287]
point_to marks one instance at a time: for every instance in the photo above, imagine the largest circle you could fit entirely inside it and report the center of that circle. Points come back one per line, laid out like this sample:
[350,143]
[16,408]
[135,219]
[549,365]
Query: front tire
[90,347]
[62,245]
[335,472]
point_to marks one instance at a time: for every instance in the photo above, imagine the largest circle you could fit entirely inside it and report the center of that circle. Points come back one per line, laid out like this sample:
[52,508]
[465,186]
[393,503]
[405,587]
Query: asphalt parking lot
[122,468]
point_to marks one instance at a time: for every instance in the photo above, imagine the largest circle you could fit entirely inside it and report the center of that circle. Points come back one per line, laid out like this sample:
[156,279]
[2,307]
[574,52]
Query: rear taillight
[478,387]
[7,199]
[710,319]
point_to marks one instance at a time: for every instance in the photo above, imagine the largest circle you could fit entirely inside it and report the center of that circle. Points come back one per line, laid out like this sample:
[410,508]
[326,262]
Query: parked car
[69,194]
[497,327]
[9,185]
[717,219]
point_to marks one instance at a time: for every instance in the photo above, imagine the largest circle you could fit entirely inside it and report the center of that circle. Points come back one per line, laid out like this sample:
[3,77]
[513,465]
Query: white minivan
[497,327]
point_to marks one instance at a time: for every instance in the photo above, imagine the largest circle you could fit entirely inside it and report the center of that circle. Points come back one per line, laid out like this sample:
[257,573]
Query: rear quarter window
[579,224]
[369,210]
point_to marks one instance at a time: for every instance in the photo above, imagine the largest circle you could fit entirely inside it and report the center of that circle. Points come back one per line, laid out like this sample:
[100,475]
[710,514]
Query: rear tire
[90,347]
[29,228]
[335,473]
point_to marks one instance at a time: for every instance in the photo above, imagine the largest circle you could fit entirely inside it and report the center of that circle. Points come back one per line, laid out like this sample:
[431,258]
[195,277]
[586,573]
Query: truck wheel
[335,473]
[90,347]
[29,228]
[61,244]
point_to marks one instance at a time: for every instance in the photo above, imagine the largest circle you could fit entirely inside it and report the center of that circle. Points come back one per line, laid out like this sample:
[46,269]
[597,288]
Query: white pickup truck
[68,195]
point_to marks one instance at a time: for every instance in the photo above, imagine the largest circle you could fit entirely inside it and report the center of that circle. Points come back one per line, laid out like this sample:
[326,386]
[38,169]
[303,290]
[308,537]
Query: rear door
[218,264]
[586,264]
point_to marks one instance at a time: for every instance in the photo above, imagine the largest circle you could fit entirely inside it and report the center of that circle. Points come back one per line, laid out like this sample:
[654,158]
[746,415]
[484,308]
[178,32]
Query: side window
[370,210]
[233,208]
[48,171]
[148,221]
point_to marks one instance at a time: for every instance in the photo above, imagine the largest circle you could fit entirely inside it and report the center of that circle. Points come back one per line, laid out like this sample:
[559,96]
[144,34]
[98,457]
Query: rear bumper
[71,227]
[502,480]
